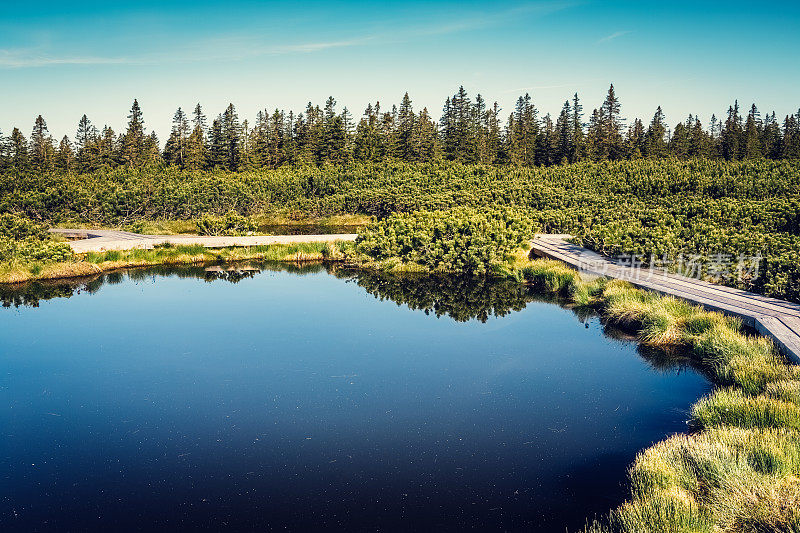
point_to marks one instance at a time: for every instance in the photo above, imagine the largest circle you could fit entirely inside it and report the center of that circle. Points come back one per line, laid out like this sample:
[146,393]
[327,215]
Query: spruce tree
[18,150]
[232,137]
[426,137]
[732,132]
[656,146]
[752,135]
[133,141]
[41,146]
[563,134]
[636,141]
[578,138]
[612,145]
[177,147]
[405,131]
[196,149]
[65,157]
[217,152]
[108,148]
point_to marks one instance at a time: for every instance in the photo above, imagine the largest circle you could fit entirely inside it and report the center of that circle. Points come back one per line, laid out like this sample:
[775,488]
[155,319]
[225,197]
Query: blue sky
[65,59]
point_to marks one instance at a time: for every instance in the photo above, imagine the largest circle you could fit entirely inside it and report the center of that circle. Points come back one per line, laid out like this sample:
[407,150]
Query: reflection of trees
[460,298]
[32,293]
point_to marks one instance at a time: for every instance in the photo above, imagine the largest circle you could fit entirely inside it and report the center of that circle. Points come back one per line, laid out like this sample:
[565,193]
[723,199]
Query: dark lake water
[301,400]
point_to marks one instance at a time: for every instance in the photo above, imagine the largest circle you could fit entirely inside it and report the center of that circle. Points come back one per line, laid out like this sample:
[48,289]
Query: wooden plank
[551,244]
[674,284]
[787,340]
[777,319]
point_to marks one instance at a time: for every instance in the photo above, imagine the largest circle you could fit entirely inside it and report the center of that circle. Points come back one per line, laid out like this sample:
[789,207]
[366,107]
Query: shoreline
[92,263]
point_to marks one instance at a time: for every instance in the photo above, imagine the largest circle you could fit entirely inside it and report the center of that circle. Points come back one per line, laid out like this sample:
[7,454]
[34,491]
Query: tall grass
[740,468]
[94,262]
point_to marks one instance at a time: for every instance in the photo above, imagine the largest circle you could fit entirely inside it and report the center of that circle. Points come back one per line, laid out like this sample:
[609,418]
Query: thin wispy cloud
[32,58]
[613,36]
[25,57]
[241,47]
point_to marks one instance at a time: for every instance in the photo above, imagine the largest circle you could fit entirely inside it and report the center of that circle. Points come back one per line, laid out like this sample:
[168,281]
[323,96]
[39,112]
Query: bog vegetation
[460,241]
[698,212]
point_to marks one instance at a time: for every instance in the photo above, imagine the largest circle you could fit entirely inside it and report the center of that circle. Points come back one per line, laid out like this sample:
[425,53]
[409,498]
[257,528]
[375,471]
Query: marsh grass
[94,262]
[734,407]
[740,468]
[723,479]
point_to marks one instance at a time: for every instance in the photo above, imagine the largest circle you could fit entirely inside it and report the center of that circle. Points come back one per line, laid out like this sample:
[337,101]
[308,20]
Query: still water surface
[157,400]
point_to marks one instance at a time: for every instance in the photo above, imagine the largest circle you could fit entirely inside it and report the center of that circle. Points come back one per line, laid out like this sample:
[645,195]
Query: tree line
[468,131]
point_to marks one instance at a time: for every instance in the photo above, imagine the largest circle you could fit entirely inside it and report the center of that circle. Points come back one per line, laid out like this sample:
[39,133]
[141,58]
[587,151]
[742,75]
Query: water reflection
[460,298]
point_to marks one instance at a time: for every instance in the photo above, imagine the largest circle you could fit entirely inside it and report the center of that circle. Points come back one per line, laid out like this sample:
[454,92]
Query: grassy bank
[739,468]
[94,262]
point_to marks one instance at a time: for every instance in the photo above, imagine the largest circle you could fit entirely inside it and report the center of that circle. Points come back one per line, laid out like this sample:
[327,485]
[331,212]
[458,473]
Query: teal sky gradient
[65,59]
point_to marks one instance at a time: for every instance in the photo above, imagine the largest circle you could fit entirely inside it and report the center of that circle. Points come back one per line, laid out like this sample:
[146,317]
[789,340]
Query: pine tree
[18,150]
[612,145]
[276,139]
[231,138]
[426,137]
[681,139]
[259,138]
[367,141]
[494,135]
[41,147]
[196,151]
[177,147]
[637,140]
[217,152]
[563,134]
[65,157]
[405,131]
[523,132]
[3,152]
[752,134]
[108,148]
[86,145]
[731,138]
[152,152]
[595,136]
[655,142]
[133,141]
[387,134]
[790,148]
[578,138]
[289,151]
[480,131]
[349,132]
[546,142]
[771,137]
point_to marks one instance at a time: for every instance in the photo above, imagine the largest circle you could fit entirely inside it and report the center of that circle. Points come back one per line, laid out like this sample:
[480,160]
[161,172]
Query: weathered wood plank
[777,319]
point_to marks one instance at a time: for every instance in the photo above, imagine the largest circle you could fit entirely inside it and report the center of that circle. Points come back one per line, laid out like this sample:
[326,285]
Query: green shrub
[33,250]
[459,240]
[229,224]
[19,228]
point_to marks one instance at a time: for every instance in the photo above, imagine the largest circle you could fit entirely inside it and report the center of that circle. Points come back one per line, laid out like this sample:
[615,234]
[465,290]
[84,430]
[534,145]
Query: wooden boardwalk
[777,319]
[102,240]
